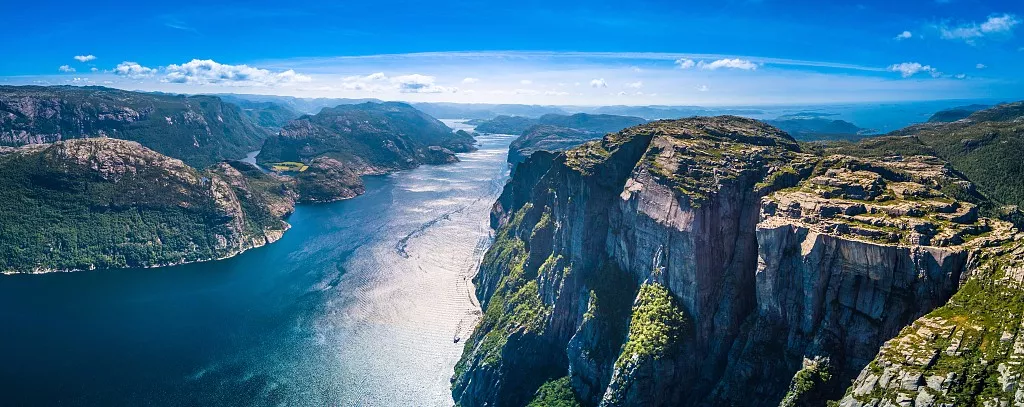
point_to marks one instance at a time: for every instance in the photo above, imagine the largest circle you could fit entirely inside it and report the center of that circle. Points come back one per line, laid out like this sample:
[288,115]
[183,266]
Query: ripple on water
[332,314]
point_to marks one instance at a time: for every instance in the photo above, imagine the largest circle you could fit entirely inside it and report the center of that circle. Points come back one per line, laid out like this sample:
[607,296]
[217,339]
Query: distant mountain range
[600,123]
[340,143]
[956,113]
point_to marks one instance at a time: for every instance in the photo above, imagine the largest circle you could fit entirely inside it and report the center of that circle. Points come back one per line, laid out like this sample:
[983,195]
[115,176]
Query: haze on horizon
[749,52]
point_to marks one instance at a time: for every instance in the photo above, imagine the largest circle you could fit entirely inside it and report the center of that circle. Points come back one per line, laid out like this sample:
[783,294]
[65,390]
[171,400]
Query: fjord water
[359,304]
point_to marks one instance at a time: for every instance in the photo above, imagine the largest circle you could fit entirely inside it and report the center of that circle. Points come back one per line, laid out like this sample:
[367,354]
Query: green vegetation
[808,385]
[515,304]
[656,328]
[970,337]
[286,166]
[555,393]
[200,130]
[58,212]
[986,148]
[375,137]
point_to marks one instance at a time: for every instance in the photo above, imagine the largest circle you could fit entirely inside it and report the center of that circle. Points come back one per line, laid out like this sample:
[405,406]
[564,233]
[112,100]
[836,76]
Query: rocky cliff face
[107,203]
[199,130]
[710,261]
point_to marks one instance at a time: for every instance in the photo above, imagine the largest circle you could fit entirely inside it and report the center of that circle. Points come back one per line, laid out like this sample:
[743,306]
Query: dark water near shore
[357,305]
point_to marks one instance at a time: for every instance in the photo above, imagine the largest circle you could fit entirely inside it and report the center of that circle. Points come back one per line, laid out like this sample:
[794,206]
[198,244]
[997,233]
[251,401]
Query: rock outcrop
[109,203]
[711,261]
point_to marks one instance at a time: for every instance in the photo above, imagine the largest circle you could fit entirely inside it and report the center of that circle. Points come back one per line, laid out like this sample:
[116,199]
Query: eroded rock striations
[108,203]
[711,261]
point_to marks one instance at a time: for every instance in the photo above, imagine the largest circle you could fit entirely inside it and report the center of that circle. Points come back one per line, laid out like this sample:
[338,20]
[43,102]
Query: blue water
[358,305]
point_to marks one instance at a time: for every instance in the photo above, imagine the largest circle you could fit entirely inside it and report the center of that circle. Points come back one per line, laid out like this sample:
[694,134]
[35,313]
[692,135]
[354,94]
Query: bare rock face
[709,261]
[968,352]
[109,203]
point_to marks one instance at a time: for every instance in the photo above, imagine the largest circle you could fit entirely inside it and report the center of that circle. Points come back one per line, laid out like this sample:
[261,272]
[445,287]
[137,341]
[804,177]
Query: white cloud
[417,83]
[960,76]
[598,83]
[685,63]
[908,69]
[66,68]
[735,63]
[207,71]
[970,33]
[1000,24]
[526,82]
[555,93]
[470,80]
[703,88]
[635,85]
[904,36]
[85,58]
[379,82]
[133,70]
[94,69]
[981,66]
[636,69]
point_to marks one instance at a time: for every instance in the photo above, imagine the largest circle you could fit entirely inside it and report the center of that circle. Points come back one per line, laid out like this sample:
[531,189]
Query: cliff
[109,203]
[199,130]
[339,144]
[711,261]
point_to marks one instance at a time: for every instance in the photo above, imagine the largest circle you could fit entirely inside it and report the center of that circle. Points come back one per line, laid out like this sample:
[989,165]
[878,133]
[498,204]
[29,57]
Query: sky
[557,52]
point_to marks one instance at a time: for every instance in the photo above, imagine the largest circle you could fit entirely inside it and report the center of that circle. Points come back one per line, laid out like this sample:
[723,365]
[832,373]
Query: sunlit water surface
[358,305]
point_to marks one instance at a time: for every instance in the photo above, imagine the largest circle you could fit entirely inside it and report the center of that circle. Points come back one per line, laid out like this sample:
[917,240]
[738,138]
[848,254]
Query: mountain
[600,123]
[339,144]
[200,130]
[715,261]
[269,115]
[817,128]
[484,110]
[300,105]
[109,203]
[544,137]
[673,112]
[506,125]
[986,147]
[956,113]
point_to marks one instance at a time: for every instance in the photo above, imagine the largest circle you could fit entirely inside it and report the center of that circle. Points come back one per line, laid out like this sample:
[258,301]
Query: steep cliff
[709,261]
[199,130]
[109,203]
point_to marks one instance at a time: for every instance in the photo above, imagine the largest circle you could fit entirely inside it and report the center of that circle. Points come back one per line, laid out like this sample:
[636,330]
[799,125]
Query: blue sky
[551,52]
